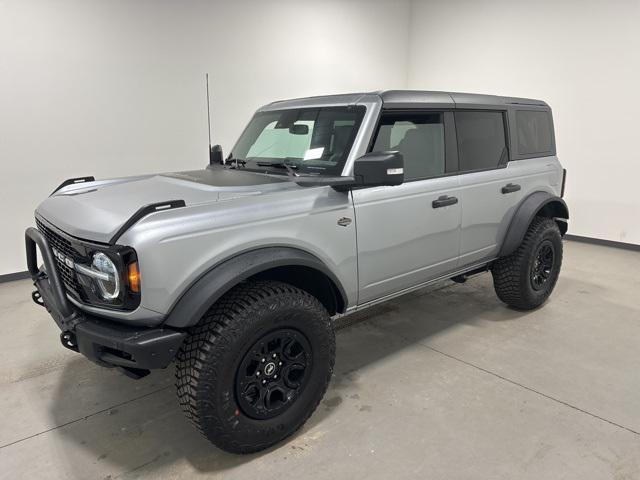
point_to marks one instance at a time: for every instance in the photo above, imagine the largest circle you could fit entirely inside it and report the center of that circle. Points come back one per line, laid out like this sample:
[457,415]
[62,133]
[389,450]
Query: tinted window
[420,139]
[535,133]
[481,140]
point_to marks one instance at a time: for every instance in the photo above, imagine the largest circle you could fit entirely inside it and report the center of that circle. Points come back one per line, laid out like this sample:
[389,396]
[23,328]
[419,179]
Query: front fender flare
[221,278]
[552,206]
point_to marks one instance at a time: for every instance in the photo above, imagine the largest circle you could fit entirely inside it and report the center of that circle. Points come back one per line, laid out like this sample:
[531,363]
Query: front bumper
[105,342]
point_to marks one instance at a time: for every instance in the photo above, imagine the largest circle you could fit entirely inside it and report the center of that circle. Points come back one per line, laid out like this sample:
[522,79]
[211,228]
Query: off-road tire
[512,275]
[208,363]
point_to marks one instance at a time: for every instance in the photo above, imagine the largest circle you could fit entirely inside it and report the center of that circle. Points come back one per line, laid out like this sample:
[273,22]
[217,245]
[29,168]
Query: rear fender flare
[543,203]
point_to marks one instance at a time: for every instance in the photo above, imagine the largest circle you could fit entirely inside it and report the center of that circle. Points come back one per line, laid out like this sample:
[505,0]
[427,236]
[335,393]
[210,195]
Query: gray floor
[446,383]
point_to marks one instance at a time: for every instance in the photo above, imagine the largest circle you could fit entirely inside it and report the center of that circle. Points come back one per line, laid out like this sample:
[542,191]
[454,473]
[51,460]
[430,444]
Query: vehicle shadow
[145,433]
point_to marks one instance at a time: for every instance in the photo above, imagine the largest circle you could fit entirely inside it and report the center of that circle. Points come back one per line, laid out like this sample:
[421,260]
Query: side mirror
[379,168]
[371,170]
[215,155]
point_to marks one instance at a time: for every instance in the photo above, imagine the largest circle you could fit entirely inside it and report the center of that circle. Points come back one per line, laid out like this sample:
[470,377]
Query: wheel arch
[540,203]
[287,264]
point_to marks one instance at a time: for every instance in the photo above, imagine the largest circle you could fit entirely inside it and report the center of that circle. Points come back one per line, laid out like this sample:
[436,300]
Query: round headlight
[109,288]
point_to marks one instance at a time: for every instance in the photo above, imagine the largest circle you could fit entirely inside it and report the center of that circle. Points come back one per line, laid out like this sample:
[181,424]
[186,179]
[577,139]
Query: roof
[410,99]
[399,98]
[340,99]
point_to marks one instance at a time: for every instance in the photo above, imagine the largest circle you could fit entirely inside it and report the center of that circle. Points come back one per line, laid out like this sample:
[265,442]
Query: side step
[464,276]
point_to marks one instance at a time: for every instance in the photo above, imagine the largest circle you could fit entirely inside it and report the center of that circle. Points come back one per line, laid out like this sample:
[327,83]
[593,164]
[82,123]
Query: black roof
[413,98]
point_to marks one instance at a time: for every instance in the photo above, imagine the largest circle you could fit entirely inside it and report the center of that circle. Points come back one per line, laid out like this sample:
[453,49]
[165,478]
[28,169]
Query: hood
[96,210]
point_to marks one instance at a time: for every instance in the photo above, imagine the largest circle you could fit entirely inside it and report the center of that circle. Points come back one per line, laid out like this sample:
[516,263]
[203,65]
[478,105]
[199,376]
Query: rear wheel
[526,278]
[256,366]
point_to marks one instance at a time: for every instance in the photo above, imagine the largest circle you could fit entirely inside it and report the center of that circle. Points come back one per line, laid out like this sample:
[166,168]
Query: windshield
[310,140]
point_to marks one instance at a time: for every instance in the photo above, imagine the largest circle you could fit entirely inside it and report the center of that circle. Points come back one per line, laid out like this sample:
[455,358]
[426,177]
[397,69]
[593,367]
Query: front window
[419,137]
[309,140]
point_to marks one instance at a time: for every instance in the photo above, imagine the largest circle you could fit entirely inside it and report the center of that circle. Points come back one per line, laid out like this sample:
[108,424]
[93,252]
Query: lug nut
[264,382]
[264,360]
[273,356]
[258,373]
[279,364]
[275,376]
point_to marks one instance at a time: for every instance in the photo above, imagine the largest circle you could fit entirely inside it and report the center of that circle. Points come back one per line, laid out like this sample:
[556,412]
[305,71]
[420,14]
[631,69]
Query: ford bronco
[324,206]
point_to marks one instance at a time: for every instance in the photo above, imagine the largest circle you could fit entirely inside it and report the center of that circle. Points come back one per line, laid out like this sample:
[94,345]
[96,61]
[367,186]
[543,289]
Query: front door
[409,234]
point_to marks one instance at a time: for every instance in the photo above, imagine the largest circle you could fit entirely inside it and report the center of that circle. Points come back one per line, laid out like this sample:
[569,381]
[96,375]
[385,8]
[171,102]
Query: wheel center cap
[269,369]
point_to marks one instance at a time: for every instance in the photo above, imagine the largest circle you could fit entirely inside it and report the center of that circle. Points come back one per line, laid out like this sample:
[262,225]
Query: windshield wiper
[235,162]
[278,165]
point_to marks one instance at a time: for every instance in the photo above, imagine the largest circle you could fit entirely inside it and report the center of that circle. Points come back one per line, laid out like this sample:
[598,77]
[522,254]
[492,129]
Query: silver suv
[325,206]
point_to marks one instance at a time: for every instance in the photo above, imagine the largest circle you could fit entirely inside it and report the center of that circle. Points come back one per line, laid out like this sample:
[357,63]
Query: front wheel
[526,278]
[256,366]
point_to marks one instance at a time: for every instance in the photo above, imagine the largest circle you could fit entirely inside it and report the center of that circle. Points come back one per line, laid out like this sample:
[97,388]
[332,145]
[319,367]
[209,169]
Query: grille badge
[63,258]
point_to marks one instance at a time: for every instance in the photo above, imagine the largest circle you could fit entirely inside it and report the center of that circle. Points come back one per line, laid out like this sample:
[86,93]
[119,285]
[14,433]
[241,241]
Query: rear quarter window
[534,132]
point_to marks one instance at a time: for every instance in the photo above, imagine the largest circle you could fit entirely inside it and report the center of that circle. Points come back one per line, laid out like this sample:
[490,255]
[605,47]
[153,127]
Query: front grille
[64,246]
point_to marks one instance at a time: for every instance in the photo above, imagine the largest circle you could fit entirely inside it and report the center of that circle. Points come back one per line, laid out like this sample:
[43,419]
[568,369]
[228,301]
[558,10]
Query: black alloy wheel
[542,265]
[273,373]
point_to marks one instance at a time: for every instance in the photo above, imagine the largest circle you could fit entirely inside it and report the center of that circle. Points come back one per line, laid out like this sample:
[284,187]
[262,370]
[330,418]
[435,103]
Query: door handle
[511,187]
[444,201]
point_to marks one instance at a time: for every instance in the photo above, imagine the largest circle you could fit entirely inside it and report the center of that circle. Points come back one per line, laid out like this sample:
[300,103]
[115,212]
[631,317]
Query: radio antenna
[208,113]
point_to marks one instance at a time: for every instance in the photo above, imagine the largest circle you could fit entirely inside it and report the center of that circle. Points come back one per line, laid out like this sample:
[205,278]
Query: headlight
[109,285]
[104,274]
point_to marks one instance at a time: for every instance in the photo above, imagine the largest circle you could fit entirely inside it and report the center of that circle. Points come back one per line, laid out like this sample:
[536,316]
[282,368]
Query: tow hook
[37,298]
[68,339]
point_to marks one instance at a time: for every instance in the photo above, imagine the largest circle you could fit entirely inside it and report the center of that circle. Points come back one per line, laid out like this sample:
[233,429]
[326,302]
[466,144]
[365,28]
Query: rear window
[535,132]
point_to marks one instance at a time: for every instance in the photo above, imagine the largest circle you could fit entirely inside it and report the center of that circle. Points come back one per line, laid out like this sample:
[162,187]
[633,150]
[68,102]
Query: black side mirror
[370,170]
[379,168]
[215,155]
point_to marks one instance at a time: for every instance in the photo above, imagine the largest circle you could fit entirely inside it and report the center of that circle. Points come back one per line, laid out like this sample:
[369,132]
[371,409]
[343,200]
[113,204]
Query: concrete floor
[446,383]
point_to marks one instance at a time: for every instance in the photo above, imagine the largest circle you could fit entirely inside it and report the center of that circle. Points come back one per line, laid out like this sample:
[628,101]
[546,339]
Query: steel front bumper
[105,342]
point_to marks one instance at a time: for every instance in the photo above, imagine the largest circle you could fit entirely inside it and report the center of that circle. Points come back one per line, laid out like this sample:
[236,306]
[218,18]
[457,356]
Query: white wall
[90,87]
[582,57]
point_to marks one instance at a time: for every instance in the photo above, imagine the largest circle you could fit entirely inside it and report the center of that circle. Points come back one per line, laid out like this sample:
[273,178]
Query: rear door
[489,190]
[409,234]
[498,172]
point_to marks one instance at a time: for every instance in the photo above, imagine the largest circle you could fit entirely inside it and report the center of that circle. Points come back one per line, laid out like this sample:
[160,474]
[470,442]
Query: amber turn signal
[134,277]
